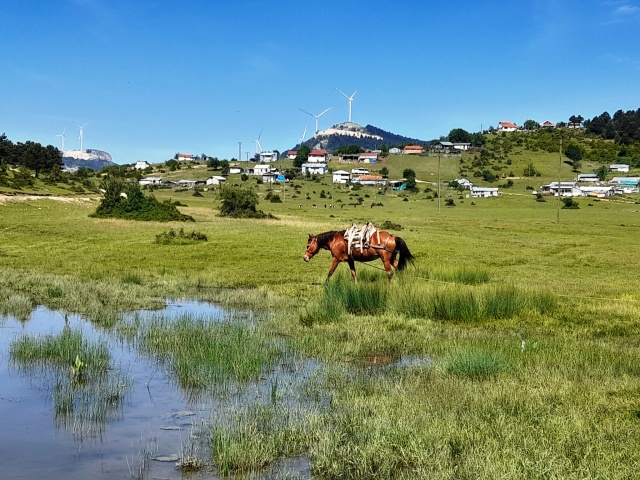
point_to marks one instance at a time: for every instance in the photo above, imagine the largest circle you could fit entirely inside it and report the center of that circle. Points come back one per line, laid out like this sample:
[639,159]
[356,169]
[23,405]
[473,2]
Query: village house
[369,180]
[359,171]
[619,167]
[215,180]
[596,191]
[341,176]
[547,124]
[292,154]
[461,146]
[625,185]
[236,169]
[412,150]
[395,151]
[483,192]
[507,127]
[150,181]
[317,156]
[141,165]
[183,157]
[349,157]
[368,157]
[588,177]
[567,189]
[314,168]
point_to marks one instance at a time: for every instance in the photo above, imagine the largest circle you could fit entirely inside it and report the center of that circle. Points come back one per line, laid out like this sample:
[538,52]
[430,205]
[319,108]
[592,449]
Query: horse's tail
[405,255]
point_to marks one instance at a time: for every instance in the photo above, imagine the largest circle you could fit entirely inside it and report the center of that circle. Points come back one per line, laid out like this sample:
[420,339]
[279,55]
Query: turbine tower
[81,127]
[350,101]
[303,134]
[62,138]
[316,116]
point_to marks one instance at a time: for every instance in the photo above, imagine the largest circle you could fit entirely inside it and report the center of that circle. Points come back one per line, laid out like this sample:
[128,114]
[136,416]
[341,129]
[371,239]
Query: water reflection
[124,422]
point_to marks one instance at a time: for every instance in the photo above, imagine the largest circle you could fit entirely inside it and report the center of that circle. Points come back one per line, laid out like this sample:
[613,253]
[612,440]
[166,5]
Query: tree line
[31,155]
[623,127]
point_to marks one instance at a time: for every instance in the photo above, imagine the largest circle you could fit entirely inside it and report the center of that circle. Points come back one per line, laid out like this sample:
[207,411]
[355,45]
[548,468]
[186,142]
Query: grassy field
[526,319]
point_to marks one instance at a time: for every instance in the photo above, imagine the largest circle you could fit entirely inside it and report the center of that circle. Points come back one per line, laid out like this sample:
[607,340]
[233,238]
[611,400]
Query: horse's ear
[310,236]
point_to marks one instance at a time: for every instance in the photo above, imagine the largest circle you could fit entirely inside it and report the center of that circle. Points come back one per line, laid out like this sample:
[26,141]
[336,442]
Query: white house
[567,189]
[341,176]
[359,171]
[464,183]
[548,124]
[594,191]
[214,180]
[619,167]
[263,169]
[461,146]
[588,177]
[315,168]
[507,127]
[317,156]
[395,151]
[150,181]
[483,192]
[141,165]
[292,154]
[236,169]
[182,157]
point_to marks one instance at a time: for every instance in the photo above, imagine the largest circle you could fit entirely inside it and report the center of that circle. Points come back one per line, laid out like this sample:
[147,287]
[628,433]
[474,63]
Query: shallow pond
[148,430]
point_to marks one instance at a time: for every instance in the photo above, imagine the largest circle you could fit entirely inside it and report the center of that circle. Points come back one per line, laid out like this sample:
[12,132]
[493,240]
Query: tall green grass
[205,354]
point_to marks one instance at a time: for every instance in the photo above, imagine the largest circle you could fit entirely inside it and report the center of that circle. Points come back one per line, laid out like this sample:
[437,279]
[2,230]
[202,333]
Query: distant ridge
[350,133]
[93,159]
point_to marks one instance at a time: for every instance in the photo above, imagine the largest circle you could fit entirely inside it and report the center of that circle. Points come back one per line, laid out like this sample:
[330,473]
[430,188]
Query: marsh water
[146,432]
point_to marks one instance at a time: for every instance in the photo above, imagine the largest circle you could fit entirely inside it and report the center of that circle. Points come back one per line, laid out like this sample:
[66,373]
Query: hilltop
[93,159]
[351,133]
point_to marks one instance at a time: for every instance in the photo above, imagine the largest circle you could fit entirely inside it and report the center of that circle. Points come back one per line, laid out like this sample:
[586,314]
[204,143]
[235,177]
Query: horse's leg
[387,266]
[334,265]
[352,267]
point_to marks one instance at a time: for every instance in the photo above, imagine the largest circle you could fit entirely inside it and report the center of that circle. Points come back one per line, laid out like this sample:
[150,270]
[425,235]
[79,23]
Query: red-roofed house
[291,154]
[548,124]
[507,127]
[412,150]
[317,156]
[185,156]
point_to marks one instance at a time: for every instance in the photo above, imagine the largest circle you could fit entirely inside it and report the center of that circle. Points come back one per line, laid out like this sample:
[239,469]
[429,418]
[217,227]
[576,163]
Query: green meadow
[525,318]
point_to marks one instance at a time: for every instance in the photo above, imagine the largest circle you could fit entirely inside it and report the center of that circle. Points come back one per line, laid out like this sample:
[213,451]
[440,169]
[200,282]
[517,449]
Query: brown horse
[392,250]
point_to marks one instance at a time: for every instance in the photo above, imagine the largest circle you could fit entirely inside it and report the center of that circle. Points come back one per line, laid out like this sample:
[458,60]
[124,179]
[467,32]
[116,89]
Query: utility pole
[559,173]
[438,181]
[239,151]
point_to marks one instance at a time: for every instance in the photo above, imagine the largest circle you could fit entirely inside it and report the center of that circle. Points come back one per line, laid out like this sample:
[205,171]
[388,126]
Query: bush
[569,202]
[240,203]
[124,199]
[179,237]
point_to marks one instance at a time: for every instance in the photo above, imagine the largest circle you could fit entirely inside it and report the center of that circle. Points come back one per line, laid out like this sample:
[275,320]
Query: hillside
[93,159]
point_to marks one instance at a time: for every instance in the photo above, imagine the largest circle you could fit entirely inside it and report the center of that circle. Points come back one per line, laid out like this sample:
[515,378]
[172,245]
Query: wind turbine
[258,146]
[62,137]
[81,127]
[316,116]
[350,100]
[303,134]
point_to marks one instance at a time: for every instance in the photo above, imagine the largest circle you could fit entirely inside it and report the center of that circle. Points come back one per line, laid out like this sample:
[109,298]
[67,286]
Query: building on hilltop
[507,127]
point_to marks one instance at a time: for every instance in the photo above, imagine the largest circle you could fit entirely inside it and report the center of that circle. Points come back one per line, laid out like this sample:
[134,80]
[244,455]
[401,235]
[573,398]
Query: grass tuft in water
[204,354]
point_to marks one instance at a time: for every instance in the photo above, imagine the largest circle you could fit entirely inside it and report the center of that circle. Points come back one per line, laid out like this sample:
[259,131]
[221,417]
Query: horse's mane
[323,239]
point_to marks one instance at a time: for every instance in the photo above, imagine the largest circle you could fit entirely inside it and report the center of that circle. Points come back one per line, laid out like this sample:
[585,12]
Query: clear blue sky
[151,78]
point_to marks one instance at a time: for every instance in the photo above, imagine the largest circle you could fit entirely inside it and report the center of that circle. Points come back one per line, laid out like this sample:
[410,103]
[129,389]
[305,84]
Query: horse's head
[312,247]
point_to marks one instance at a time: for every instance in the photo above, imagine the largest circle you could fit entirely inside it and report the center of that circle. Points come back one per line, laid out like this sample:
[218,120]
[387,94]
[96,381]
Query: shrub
[124,199]
[239,203]
[180,237]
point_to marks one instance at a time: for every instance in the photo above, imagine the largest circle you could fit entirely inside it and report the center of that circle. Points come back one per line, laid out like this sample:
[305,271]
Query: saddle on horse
[360,237]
